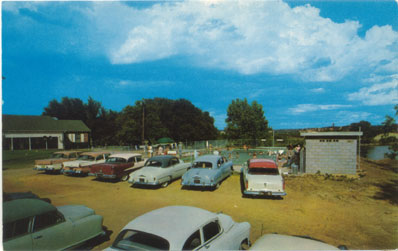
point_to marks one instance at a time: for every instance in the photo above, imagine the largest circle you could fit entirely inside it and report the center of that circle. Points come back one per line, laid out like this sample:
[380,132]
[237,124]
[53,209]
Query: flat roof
[335,134]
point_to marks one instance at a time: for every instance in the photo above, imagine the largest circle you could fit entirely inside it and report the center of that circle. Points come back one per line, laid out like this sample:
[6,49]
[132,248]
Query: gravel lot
[361,213]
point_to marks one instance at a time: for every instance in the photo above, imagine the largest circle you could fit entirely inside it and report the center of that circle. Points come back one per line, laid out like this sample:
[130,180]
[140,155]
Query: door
[51,231]
[16,235]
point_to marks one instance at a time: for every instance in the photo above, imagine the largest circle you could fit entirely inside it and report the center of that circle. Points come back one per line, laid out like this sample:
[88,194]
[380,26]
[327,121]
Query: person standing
[296,159]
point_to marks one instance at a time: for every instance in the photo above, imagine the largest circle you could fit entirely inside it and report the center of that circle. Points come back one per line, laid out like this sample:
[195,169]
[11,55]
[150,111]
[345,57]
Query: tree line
[151,119]
[180,120]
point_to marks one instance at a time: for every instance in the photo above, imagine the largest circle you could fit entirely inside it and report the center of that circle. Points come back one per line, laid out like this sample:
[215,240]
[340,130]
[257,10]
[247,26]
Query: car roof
[125,155]
[262,163]
[286,242]
[23,208]
[209,157]
[94,153]
[68,152]
[182,220]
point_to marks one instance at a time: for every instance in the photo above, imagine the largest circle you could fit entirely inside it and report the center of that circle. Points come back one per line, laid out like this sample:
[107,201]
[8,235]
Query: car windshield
[115,160]
[263,171]
[136,240]
[58,156]
[155,163]
[85,157]
[202,164]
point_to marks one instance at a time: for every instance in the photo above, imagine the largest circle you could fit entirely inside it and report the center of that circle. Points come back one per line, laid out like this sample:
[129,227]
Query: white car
[159,170]
[286,242]
[262,177]
[182,228]
[81,166]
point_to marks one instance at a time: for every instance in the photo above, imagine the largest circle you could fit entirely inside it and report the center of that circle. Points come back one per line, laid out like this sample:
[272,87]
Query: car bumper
[71,172]
[265,193]
[46,168]
[138,182]
[103,176]
[198,184]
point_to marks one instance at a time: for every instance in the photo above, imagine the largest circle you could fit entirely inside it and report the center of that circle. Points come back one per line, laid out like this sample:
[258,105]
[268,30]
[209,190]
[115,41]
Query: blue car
[207,171]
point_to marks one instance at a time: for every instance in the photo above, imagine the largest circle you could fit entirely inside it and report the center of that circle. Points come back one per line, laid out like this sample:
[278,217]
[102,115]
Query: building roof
[331,134]
[23,123]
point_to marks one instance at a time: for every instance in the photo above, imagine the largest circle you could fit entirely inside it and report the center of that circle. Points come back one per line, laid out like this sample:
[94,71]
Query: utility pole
[143,123]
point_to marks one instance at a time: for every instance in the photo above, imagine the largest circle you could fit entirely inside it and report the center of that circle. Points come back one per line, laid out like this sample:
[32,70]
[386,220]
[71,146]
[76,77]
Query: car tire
[244,245]
[125,177]
[165,184]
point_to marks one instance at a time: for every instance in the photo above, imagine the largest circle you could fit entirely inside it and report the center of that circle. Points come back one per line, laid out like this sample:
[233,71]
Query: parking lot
[360,213]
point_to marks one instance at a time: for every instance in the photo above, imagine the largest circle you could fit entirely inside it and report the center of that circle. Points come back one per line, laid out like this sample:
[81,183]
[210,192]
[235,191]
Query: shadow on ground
[388,191]
[91,244]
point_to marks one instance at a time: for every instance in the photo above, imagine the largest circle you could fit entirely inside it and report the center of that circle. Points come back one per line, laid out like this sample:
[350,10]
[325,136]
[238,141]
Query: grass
[24,158]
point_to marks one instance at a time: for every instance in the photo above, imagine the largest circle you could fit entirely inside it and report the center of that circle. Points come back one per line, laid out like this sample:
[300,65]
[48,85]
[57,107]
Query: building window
[78,138]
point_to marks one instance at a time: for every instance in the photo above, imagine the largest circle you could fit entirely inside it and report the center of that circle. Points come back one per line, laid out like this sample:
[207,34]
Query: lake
[374,152]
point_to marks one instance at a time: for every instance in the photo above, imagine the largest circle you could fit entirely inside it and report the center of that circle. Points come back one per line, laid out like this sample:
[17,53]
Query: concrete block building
[331,152]
[43,132]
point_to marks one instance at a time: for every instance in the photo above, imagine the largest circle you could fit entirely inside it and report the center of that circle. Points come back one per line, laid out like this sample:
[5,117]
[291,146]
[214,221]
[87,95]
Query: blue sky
[309,63]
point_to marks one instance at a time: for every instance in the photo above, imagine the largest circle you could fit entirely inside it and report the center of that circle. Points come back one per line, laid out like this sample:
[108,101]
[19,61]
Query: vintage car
[22,195]
[286,242]
[117,166]
[207,171]
[159,170]
[81,166]
[32,224]
[182,228]
[54,164]
[262,177]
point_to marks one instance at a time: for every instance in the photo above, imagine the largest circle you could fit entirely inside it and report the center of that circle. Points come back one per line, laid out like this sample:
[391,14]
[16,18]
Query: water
[374,152]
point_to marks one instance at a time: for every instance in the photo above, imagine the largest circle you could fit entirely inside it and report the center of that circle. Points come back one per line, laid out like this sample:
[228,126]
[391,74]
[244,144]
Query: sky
[308,63]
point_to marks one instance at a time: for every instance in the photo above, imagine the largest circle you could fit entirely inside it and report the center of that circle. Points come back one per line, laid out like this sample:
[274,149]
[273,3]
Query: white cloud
[246,36]
[318,90]
[348,117]
[378,94]
[303,108]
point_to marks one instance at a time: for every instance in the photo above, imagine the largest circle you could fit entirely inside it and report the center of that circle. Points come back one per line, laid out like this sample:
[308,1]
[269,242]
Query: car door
[51,231]
[226,167]
[177,170]
[221,169]
[211,235]
[16,235]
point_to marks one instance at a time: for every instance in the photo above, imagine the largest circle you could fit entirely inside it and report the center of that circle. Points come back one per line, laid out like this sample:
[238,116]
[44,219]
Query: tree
[176,119]
[369,132]
[102,122]
[246,121]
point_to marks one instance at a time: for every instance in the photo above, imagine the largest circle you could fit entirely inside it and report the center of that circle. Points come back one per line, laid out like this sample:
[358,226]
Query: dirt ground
[360,213]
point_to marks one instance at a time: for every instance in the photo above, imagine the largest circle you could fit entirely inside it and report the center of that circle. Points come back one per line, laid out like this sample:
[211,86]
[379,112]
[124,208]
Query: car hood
[75,212]
[149,171]
[76,163]
[49,161]
[201,172]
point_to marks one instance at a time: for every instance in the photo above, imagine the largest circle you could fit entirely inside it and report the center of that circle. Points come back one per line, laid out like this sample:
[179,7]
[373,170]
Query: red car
[117,166]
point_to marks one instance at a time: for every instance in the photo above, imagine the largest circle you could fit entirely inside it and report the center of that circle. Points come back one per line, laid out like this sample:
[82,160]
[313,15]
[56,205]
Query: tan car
[54,163]
[81,166]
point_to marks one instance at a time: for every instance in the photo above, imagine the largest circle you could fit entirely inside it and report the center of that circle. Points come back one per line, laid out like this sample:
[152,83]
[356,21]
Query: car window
[115,160]
[16,228]
[210,230]
[153,163]
[132,159]
[193,241]
[202,164]
[263,171]
[224,159]
[72,155]
[174,161]
[85,157]
[135,240]
[100,157]
[46,220]
[139,158]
